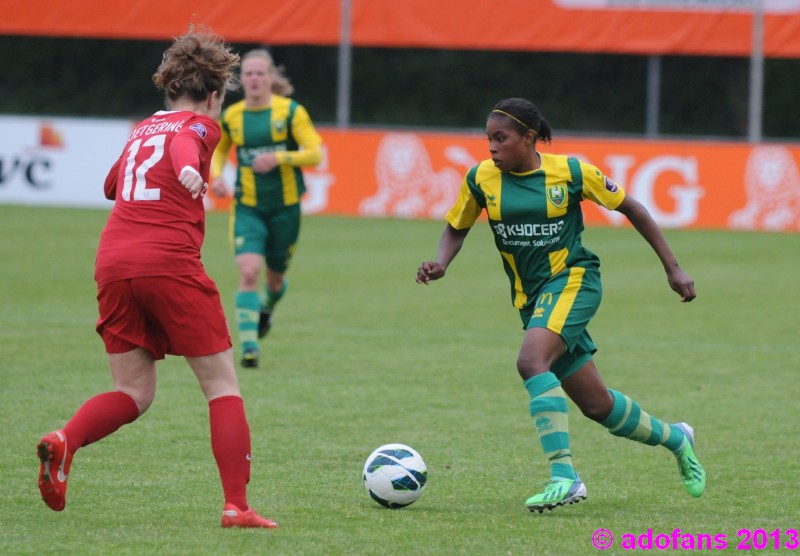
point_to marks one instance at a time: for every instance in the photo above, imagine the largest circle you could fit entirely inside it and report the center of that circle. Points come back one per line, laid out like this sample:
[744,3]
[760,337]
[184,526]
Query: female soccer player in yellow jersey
[533,201]
[274,139]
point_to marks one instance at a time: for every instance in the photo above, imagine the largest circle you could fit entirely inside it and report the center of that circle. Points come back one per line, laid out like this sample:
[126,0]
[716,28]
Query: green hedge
[578,93]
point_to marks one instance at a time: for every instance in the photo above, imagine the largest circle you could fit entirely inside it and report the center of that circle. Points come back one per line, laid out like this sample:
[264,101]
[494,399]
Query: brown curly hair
[195,65]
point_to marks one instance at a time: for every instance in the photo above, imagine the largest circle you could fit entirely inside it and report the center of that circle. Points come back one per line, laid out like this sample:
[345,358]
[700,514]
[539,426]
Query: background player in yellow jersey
[533,201]
[274,137]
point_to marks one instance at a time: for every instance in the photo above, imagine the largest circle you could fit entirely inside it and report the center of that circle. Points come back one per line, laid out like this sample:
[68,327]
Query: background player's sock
[248,308]
[272,298]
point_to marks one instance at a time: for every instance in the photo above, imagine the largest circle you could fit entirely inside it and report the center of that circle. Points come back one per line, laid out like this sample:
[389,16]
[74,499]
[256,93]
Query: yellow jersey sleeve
[305,135]
[220,154]
[466,209]
[599,188]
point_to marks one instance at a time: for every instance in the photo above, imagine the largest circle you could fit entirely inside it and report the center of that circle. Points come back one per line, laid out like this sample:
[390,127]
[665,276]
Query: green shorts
[272,235]
[565,305]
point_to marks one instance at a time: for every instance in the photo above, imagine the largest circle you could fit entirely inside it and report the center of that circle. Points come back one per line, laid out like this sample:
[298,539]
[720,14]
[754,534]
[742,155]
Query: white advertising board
[58,161]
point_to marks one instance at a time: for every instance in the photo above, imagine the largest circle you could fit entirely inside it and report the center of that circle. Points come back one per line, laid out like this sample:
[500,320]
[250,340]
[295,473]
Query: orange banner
[707,27]
[683,184]
[265,21]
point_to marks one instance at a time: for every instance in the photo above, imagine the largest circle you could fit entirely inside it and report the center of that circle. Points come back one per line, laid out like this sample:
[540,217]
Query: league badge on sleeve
[200,129]
[610,185]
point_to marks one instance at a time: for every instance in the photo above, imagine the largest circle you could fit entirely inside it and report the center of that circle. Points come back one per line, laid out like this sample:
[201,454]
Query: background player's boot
[250,358]
[264,321]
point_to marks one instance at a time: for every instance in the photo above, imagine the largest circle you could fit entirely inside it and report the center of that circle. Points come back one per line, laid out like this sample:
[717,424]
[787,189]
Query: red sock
[99,417]
[230,442]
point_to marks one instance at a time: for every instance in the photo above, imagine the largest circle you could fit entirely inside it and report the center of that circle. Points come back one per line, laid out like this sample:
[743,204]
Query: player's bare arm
[449,246]
[640,218]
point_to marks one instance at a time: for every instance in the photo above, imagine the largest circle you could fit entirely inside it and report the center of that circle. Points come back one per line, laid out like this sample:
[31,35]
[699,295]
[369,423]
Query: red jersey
[155,227]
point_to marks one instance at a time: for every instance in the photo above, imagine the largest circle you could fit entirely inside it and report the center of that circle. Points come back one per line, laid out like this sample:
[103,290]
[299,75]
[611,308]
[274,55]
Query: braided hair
[524,115]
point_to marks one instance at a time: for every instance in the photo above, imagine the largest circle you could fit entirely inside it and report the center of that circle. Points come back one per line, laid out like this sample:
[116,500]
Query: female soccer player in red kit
[154,295]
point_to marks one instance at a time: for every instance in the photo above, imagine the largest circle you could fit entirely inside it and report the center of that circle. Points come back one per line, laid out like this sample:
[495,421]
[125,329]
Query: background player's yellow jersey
[535,217]
[282,126]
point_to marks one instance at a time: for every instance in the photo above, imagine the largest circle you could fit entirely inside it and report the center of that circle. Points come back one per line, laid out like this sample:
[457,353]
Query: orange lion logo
[772,186]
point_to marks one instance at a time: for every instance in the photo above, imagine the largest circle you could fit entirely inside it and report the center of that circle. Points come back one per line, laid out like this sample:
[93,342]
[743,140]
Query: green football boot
[558,492]
[692,473]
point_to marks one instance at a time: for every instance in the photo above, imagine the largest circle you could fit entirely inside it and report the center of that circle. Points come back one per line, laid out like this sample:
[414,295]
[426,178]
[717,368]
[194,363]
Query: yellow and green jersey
[282,126]
[535,217]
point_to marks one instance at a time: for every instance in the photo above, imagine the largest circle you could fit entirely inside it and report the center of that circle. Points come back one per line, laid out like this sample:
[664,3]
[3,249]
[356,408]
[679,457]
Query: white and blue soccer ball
[395,475]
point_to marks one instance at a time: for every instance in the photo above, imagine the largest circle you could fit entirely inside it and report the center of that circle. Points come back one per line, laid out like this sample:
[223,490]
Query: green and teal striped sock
[271,298]
[549,411]
[629,421]
[247,312]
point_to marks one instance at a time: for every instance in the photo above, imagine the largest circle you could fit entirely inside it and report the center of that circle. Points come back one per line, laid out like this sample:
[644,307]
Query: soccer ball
[395,475]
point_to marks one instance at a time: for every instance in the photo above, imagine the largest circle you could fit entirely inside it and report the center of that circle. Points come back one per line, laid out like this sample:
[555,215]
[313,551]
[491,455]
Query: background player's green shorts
[565,305]
[271,234]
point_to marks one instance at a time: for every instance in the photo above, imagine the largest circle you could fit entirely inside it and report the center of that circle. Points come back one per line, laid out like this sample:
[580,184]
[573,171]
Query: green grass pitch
[360,355]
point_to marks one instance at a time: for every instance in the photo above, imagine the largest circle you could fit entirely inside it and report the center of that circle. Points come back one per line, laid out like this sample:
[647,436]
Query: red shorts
[176,315]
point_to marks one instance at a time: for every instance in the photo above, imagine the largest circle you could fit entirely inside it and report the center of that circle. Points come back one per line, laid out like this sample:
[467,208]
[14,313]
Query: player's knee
[142,397]
[248,276]
[144,405]
[531,366]
[597,408]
